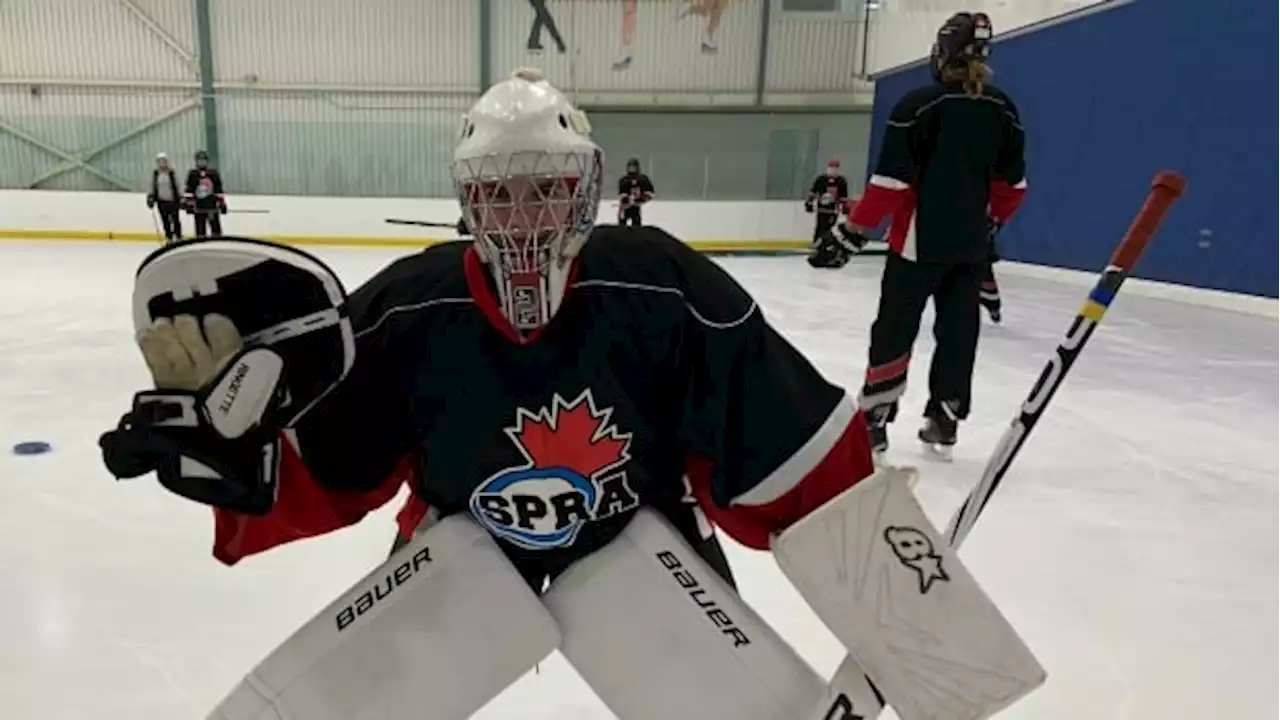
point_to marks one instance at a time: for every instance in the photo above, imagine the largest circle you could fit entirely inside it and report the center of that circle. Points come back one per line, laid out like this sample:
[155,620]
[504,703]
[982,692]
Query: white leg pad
[659,636]
[437,631]
[881,577]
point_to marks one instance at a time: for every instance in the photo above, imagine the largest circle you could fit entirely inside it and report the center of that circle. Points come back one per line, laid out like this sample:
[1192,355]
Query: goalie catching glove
[210,429]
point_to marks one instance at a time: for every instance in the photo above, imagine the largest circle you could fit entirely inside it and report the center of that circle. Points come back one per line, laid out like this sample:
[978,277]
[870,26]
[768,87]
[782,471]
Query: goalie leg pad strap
[436,631]
[887,585]
[658,635]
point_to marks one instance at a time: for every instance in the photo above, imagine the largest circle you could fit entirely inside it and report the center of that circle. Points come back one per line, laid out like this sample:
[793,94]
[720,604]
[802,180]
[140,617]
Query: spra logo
[572,475]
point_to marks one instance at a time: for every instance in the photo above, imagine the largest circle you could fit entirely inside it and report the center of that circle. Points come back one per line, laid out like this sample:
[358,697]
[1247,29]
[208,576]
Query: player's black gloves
[210,429]
[835,246]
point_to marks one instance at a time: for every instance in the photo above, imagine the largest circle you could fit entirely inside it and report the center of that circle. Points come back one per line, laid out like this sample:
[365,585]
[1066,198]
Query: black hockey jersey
[637,189]
[204,188]
[828,194]
[657,367]
[951,162]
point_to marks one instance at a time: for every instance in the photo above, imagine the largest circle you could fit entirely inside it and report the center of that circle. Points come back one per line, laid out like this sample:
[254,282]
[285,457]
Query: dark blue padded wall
[1110,97]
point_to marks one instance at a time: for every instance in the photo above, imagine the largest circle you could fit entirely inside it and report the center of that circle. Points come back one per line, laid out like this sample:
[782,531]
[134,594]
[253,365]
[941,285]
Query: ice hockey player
[572,408]
[165,198]
[620,361]
[634,189]
[826,198]
[543,317]
[204,198]
[950,174]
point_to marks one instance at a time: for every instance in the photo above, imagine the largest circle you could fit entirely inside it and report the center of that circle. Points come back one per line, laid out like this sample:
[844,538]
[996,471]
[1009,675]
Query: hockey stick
[421,223]
[155,223]
[1166,188]
[230,211]
[850,683]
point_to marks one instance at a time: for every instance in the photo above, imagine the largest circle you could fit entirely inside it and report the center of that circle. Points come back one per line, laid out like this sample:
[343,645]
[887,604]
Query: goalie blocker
[879,575]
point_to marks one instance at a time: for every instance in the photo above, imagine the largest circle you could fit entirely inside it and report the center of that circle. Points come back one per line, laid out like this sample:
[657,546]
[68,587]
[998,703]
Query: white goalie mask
[528,177]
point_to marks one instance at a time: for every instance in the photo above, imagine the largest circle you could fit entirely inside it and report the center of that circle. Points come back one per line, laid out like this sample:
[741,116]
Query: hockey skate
[939,436]
[993,311]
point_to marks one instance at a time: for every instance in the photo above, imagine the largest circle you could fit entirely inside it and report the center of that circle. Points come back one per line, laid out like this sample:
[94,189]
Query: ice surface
[1134,544]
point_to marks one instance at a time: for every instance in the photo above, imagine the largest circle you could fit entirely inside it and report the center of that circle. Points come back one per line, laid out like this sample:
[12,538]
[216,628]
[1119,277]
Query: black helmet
[633,163]
[964,37]
[202,155]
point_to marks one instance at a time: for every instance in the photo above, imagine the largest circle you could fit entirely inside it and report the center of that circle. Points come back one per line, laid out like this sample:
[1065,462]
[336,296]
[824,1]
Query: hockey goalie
[574,409]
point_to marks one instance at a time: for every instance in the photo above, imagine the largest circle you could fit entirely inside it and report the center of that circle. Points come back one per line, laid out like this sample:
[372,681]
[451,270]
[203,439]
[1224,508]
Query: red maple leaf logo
[573,435]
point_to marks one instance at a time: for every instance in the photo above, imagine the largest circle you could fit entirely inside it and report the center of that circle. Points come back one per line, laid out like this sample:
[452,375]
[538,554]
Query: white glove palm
[181,356]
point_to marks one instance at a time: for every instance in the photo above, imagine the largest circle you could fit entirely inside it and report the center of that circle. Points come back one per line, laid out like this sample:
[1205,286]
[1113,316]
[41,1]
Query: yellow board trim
[376,241]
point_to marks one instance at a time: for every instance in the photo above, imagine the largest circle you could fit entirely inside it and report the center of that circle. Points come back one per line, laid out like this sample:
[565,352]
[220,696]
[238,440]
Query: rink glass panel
[732,156]
[339,144]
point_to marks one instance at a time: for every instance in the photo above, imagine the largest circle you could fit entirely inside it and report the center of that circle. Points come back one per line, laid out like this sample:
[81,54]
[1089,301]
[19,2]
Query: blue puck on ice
[31,448]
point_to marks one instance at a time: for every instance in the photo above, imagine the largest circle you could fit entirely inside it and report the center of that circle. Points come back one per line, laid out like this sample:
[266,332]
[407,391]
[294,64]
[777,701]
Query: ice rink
[1134,543]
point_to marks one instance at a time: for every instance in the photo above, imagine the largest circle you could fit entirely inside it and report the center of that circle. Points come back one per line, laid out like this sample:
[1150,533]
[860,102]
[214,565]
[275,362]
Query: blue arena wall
[1112,95]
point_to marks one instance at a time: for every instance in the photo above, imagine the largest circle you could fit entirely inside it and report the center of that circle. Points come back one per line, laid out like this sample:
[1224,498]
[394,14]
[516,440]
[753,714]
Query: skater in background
[950,174]
[164,198]
[542,19]
[634,190]
[826,198]
[203,198]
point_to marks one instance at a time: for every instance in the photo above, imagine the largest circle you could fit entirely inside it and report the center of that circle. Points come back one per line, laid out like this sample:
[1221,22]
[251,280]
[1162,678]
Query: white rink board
[356,221]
